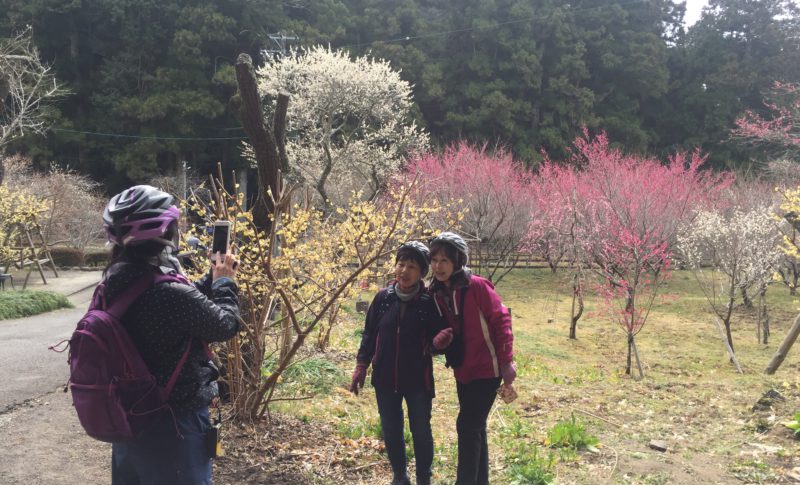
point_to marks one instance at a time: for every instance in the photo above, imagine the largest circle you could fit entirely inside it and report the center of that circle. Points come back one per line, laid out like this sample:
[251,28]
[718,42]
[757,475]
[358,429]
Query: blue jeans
[475,402]
[390,408]
[161,457]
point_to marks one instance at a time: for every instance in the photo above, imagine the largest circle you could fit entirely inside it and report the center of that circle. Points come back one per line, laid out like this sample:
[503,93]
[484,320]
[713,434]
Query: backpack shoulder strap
[174,377]
[125,299]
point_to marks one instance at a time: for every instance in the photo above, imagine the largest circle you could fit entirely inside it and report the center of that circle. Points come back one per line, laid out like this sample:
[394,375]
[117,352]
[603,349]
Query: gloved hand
[508,372]
[443,339]
[359,376]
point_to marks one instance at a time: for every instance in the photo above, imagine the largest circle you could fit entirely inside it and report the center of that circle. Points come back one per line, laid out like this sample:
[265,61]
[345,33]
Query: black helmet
[418,251]
[457,242]
[139,214]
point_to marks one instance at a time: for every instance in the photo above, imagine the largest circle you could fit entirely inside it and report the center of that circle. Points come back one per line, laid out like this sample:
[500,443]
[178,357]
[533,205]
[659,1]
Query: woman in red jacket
[481,352]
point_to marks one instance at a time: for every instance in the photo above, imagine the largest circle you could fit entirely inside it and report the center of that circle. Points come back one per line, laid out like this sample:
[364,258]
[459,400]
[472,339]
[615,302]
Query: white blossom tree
[26,85]
[349,120]
[740,247]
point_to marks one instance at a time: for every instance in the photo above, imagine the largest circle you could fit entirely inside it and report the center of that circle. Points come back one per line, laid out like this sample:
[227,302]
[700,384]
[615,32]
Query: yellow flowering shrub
[789,210]
[18,209]
[293,279]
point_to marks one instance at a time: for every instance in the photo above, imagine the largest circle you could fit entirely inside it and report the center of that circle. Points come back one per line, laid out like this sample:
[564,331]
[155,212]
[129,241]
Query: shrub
[18,304]
[64,256]
[97,257]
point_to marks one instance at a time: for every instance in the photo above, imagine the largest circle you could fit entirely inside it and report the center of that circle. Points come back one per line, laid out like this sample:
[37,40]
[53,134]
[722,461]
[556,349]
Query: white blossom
[741,244]
[349,120]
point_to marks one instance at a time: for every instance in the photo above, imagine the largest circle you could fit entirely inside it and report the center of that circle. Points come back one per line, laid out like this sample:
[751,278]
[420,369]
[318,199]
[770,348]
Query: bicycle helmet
[139,214]
[418,251]
[455,241]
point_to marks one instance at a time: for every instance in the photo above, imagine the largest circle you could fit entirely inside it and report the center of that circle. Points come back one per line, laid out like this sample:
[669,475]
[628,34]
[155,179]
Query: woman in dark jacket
[168,318]
[401,326]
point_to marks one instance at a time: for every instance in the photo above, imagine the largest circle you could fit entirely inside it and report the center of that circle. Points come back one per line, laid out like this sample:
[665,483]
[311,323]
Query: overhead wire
[148,137]
[485,27]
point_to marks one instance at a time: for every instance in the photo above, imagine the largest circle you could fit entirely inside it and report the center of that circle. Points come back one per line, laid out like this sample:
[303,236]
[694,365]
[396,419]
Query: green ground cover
[18,304]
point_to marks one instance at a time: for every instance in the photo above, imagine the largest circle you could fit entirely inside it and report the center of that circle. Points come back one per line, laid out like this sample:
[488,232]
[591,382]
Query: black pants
[475,401]
[390,408]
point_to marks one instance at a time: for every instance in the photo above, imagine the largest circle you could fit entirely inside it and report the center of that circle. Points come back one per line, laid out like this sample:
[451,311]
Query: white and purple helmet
[139,214]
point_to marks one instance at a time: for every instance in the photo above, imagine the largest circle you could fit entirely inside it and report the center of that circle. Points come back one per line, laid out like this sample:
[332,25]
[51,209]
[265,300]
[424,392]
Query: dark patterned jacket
[167,317]
[400,349]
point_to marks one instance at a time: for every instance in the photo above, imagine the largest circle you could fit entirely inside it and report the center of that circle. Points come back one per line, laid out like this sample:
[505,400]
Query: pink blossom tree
[777,130]
[495,191]
[552,224]
[553,229]
[633,209]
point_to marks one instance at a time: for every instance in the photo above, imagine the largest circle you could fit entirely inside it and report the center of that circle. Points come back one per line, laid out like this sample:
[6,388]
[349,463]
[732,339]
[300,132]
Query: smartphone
[221,237]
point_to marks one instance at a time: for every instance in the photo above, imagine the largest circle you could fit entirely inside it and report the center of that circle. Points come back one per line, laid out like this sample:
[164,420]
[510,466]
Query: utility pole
[279,44]
[184,169]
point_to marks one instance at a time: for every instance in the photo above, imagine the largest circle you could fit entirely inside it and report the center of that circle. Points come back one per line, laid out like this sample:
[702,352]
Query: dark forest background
[150,81]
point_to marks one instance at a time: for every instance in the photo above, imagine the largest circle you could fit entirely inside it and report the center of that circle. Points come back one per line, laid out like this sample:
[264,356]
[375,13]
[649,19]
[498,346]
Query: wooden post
[636,355]
[46,248]
[780,354]
[728,346]
[34,256]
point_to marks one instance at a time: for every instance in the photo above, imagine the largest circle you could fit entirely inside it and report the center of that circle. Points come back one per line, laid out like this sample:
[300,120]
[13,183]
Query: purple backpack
[115,394]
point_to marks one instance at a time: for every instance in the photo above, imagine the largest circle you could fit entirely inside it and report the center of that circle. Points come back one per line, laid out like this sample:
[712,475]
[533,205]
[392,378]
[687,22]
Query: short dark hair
[406,254]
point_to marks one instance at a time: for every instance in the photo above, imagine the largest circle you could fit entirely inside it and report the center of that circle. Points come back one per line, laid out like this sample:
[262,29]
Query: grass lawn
[18,304]
[691,398]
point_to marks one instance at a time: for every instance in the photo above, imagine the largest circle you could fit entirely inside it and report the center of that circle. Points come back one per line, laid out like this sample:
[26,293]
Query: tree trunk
[783,350]
[266,147]
[628,360]
[577,296]
[763,316]
[728,346]
[728,332]
[748,303]
[727,319]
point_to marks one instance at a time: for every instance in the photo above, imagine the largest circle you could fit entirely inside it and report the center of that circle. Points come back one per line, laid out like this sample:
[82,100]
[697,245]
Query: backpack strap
[124,300]
[174,377]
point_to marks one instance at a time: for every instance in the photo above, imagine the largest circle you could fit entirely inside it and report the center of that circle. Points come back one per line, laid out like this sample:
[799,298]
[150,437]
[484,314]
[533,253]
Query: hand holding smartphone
[221,237]
[223,264]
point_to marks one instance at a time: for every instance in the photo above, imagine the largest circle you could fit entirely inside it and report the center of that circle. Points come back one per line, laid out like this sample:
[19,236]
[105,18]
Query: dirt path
[45,444]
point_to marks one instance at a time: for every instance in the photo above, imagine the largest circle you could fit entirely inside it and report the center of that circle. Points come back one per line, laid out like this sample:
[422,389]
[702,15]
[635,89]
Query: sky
[693,8]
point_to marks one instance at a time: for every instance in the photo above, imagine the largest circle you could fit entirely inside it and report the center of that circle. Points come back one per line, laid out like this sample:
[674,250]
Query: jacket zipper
[377,346]
[396,359]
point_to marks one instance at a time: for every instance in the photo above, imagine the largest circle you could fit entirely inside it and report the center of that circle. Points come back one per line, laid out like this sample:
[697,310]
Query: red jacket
[488,340]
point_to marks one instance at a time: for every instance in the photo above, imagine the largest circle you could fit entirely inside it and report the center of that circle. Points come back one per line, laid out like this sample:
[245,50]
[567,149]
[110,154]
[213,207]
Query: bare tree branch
[26,86]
